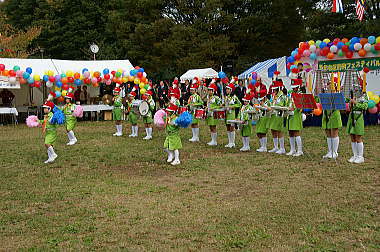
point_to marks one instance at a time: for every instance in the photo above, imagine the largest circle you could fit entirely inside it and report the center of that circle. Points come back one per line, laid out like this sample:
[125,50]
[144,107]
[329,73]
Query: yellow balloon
[131,78]
[57,89]
[64,93]
[311,42]
[125,79]
[141,85]
[376,99]
[370,94]
[50,73]
[120,70]
[46,72]
[137,81]
[378,39]
[326,41]
[36,77]
[142,91]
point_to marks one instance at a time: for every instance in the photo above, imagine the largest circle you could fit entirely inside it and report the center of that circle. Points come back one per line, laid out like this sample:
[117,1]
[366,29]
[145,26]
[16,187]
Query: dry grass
[118,193]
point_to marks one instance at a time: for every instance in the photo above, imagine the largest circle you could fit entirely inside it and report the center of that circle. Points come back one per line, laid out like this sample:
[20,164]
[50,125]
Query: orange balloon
[363,41]
[362,53]
[22,81]
[131,78]
[345,40]
[317,112]
[143,79]
[96,74]
[64,80]
[76,75]
[330,55]
[95,85]
[6,72]
[60,99]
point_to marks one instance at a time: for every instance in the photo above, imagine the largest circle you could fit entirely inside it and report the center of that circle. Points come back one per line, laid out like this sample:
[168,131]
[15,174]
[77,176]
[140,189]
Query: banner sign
[4,83]
[349,64]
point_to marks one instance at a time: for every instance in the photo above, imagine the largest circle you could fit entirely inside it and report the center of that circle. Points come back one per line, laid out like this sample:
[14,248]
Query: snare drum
[182,109]
[200,113]
[219,114]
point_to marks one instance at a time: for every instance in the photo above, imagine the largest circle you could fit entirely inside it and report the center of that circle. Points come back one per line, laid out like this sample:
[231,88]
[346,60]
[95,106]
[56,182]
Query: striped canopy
[268,67]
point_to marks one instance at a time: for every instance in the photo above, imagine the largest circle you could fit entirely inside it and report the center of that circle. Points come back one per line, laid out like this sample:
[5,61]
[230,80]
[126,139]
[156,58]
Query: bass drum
[143,108]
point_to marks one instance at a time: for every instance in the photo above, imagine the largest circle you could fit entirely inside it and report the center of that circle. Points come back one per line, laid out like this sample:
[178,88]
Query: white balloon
[313,48]
[333,49]
[144,74]
[49,84]
[303,117]
[358,46]
[367,47]
[12,80]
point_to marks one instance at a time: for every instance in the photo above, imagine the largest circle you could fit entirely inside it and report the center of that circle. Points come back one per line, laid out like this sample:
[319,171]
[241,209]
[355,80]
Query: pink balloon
[306,53]
[348,109]
[319,106]
[86,74]
[108,82]
[94,80]
[373,110]
[19,73]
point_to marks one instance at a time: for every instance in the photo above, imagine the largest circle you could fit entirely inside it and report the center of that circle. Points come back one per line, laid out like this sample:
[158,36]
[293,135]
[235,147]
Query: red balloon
[12,73]
[107,76]
[349,54]
[137,67]
[139,74]
[363,41]
[336,41]
[298,57]
[366,70]
[22,81]
[330,55]
[325,51]
[345,48]
[37,84]
[362,53]
[70,79]
[289,65]
[2,67]
[87,81]
[51,79]
[31,85]
[113,73]
[99,79]
[377,47]
[65,86]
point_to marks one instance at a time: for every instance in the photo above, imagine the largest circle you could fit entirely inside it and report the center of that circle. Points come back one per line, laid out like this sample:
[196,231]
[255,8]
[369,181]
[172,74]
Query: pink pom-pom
[32,121]
[159,118]
[78,111]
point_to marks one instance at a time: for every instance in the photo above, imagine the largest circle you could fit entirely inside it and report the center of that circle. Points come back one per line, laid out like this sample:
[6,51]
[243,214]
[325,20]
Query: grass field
[108,193]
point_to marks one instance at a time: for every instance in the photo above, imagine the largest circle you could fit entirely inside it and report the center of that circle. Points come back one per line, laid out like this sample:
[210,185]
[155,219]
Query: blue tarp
[269,65]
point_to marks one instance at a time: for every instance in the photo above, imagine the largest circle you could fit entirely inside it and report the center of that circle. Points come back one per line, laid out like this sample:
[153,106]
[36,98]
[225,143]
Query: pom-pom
[159,118]
[184,120]
[58,116]
[78,111]
[32,121]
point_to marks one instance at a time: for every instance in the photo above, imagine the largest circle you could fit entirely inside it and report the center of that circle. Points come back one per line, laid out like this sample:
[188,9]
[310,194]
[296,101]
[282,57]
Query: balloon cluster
[139,77]
[223,77]
[342,48]
[16,75]
[373,103]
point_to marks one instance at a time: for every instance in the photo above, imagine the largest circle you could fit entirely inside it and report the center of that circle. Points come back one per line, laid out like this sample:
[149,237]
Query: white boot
[176,158]
[117,130]
[196,134]
[354,151]
[132,131]
[292,142]
[229,140]
[248,148]
[192,139]
[148,134]
[264,141]
[170,155]
[261,145]
[213,139]
[51,154]
[282,146]
[120,131]
[136,131]
[244,148]
[329,144]
[360,151]
[275,145]
[233,136]
[69,137]
[335,147]
[299,147]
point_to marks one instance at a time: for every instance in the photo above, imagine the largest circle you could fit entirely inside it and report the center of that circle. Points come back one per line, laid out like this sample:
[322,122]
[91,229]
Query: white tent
[206,73]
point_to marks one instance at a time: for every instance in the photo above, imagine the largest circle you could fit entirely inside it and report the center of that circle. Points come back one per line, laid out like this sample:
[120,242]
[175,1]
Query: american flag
[337,6]
[360,9]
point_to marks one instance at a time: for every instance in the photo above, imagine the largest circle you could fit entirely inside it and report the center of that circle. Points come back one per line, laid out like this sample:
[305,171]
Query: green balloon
[16,68]
[118,74]
[340,53]
[371,104]
[373,50]
[318,43]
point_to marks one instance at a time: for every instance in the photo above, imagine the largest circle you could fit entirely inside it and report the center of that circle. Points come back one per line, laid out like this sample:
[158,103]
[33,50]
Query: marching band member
[277,121]
[213,102]
[148,119]
[231,103]
[117,111]
[132,116]
[174,97]
[262,123]
[172,142]
[245,117]
[71,120]
[294,122]
[50,131]
[194,103]
[355,127]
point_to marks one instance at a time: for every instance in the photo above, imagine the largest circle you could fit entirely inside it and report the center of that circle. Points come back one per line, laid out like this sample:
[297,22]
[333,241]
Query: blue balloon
[322,45]
[29,70]
[30,80]
[372,40]
[106,71]
[84,70]
[57,78]
[57,94]
[45,78]
[253,81]
[340,45]
[291,59]
[26,75]
[352,47]
[294,53]
[313,56]
[58,84]
[355,40]
[222,75]
[141,70]
[292,67]
[77,82]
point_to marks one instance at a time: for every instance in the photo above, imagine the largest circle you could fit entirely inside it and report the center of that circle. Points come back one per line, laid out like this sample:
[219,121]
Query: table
[9,111]
[97,108]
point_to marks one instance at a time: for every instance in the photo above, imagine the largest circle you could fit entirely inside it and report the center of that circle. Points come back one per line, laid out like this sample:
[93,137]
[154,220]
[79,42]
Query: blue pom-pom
[58,116]
[184,120]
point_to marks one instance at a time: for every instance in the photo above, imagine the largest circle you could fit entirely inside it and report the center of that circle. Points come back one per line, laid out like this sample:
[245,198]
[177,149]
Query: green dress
[152,106]
[213,102]
[71,120]
[331,119]
[117,112]
[262,124]
[195,102]
[294,121]
[355,124]
[277,120]
[233,102]
[172,140]
[246,130]
[132,116]
[50,129]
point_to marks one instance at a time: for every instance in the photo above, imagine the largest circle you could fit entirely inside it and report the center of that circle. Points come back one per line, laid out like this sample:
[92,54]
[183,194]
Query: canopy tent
[205,73]
[39,66]
[266,70]
[98,65]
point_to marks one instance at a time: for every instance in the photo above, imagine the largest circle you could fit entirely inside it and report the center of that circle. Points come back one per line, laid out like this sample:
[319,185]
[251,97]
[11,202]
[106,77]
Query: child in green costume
[246,130]
[148,119]
[132,116]
[195,102]
[173,142]
[50,131]
[213,102]
[71,120]
[117,113]
[231,103]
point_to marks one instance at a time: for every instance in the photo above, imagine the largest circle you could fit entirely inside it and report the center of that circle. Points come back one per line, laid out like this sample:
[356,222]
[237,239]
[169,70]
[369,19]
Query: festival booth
[206,73]
[266,71]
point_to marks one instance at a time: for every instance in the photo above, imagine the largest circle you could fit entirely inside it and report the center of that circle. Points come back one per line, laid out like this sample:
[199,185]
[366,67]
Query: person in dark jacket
[162,94]
[240,91]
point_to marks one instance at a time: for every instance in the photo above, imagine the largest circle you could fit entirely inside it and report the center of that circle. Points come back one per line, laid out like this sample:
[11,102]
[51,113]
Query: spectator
[77,94]
[185,91]
[240,91]
[84,96]
[162,94]
[7,97]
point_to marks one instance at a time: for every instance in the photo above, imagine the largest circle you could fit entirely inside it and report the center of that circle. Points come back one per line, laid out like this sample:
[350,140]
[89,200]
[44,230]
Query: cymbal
[107,99]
